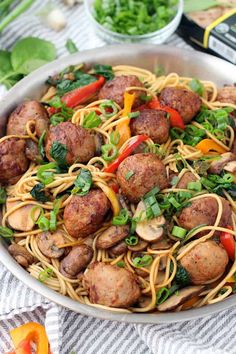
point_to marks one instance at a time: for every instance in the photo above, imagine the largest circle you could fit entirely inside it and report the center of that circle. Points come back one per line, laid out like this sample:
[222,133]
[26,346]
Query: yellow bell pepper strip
[207,145]
[123,128]
[31,331]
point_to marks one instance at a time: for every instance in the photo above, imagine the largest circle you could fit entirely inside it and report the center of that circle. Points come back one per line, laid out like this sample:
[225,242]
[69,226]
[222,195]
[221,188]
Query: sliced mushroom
[161,245]
[21,255]
[77,260]
[148,230]
[48,244]
[118,249]
[89,241]
[230,166]
[141,246]
[21,218]
[176,300]
[112,236]
[218,165]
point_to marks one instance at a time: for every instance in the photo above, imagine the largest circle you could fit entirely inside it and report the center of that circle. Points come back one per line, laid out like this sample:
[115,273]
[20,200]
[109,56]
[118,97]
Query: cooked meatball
[77,260]
[153,123]
[186,102]
[114,90]
[112,236]
[79,143]
[204,211]
[205,262]
[85,214]
[148,172]
[29,110]
[13,162]
[32,151]
[21,255]
[185,180]
[48,244]
[227,94]
[111,286]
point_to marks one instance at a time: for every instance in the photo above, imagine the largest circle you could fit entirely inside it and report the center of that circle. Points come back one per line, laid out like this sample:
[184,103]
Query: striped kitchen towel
[71,332]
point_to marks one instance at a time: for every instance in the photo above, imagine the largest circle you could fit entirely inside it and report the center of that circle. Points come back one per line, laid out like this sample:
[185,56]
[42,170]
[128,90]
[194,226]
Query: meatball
[227,94]
[185,180]
[79,143]
[204,211]
[114,90]
[186,102]
[111,286]
[32,151]
[205,262]
[29,110]
[77,260]
[148,171]
[48,244]
[13,162]
[85,214]
[153,123]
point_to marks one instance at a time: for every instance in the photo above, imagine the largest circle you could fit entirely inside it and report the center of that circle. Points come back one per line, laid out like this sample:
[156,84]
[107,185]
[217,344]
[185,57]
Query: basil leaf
[71,46]
[58,152]
[7,75]
[104,70]
[82,183]
[81,79]
[38,193]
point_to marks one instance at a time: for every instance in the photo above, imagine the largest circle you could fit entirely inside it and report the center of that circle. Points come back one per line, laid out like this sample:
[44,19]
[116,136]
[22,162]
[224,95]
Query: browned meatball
[186,102]
[13,162]
[111,286]
[112,236]
[148,172]
[48,244]
[114,90]
[185,180]
[205,262]
[79,143]
[227,94]
[153,123]
[32,151]
[204,211]
[29,110]
[85,214]
[77,260]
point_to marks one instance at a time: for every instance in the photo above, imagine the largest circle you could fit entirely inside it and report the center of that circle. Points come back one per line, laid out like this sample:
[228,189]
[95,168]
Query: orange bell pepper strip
[123,128]
[31,331]
[207,145]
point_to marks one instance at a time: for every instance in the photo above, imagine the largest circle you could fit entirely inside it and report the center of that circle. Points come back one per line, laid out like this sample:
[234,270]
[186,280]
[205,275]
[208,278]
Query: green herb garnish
[82,183]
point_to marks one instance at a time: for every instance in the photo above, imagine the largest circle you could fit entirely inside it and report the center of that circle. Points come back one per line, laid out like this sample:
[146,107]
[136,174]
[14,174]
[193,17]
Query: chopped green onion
[106,107]
[109,152]
[5,232]
[122,218]
[44,175]
[43,223]
[40,144]
[228,178]
[196,86]
[195,186]
[134,114]
[120,264]
[82,183]
[131,241]
[144,261]
[178,232]
[115,137]
[145,98]
[174,202]
[56,118]
[33,211]
[45,274]
[162,295]
[3,195]
[129,175]
[91,120]
[152,192]
[53,214]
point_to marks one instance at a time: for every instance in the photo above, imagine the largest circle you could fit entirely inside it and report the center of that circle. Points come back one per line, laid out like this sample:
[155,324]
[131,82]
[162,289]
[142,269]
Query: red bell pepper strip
[175,118]
[79,95]
[228,242]
[114,187]
[127,151]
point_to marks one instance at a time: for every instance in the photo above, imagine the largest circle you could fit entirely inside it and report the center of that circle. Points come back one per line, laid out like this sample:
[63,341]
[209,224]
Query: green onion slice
[91,120]
[44,175]
[131,241]
[162,295]
[178,232]
[115,137]
[144,261]
[109,152]
[108,108]
[5,232]
[195,186]
[122,218]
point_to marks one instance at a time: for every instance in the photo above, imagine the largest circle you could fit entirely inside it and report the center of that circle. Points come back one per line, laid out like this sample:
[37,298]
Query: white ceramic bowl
[157,37]
[183,62]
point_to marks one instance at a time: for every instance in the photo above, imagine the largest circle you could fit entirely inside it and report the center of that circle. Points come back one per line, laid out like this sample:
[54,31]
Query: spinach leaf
[82,183]
[81,79]
[7,75]
[71,46]
[38,193]
[58,152]
[104,70]
[30,53]
[3,195]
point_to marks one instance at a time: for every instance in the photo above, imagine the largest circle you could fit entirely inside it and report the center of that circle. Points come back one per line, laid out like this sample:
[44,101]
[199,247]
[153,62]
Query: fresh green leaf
[5,232]
[30,53]
[91,120]
[7,75]
[80,79]
[58,152]
[182,277]
[104,70]
[3,195]
[196,86]
[82,183]
[38,193]
[40,145]
[45,176]
[71,46]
